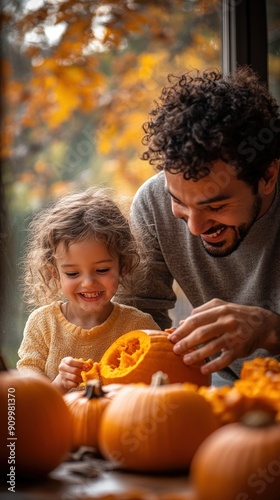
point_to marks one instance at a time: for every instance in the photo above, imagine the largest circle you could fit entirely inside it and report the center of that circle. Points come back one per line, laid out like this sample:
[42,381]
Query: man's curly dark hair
[204,117]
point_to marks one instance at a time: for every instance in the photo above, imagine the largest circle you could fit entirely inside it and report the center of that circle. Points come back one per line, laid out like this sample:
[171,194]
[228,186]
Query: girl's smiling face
[89,277]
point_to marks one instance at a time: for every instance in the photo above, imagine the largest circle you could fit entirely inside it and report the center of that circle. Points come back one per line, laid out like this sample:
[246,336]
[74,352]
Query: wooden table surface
[83,480]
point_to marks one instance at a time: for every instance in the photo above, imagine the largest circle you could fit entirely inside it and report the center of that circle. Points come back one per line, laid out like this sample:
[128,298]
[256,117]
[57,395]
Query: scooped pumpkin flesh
[136,355]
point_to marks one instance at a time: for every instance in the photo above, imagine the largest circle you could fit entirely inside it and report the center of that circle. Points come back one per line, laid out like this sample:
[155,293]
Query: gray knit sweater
[250,275]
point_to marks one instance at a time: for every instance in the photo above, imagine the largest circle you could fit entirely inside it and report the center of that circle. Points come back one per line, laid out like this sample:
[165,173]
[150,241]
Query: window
[78,86]
[251,35]
[273,40]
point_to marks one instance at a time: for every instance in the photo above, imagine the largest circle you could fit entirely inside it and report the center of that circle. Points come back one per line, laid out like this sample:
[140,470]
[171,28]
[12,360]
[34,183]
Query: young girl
[80,248]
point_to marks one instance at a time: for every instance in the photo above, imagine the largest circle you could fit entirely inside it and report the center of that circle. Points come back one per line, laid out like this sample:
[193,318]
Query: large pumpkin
[35,425]
[240,461]
[155,427]
[136,355]
[86,409]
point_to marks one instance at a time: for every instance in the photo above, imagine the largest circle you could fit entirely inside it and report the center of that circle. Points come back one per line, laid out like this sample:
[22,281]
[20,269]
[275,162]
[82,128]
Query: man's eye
[216,209]
[177,202]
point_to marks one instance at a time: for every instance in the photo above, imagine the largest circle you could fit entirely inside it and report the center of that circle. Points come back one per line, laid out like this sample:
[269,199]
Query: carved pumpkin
[155,427]
[136,355]
[240,461]
[86,410]
[35,424]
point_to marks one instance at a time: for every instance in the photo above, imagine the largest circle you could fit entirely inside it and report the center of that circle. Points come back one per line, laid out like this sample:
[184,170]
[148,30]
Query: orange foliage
[107,66]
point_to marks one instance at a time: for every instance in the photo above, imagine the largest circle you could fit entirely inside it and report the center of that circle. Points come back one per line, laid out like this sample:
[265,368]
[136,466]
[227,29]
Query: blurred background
[78,80]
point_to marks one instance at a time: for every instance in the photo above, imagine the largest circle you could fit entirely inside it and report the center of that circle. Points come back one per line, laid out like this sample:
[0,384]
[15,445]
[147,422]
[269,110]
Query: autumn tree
[80,77]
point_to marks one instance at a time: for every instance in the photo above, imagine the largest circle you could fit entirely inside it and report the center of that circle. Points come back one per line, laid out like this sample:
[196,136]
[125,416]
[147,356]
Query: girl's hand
[230,330]
[69,375]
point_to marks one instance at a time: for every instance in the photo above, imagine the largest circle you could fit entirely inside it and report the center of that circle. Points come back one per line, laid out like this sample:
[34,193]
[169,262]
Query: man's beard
[239,232]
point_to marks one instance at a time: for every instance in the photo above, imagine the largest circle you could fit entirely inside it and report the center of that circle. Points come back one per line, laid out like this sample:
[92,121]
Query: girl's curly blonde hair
[74,218]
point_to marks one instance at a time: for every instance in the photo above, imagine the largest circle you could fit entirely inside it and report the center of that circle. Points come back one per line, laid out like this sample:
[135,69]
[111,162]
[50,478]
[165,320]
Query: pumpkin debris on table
[257,388]
[136,355]
[268,368]
[230,403]
[260,377]
[155,428]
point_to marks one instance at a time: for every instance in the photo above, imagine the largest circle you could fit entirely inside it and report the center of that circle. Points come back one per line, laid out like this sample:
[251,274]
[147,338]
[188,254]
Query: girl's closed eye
[103,270]
[71,275]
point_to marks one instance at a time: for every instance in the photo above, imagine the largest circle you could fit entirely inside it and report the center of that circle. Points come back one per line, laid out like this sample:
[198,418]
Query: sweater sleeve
[34,348]
[155,295]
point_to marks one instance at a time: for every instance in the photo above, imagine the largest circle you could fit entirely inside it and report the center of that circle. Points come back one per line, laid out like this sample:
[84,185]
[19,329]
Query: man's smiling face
[219,208]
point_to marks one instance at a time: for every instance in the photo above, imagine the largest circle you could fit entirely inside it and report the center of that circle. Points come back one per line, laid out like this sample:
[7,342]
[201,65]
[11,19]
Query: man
[211,218]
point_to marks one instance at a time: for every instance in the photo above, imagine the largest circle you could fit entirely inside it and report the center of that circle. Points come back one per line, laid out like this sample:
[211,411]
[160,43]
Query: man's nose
[197,221]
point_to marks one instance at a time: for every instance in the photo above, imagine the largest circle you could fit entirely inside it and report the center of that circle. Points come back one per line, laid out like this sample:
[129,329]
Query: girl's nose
[89,280]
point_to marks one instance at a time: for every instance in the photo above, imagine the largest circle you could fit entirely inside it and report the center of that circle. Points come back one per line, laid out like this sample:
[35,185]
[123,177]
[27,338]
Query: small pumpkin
[86,409]
[240,461]
[155,427]
[136,355]
[35,424]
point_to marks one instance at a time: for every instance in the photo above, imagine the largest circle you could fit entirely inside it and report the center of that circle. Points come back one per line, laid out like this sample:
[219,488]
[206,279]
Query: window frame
[244,36]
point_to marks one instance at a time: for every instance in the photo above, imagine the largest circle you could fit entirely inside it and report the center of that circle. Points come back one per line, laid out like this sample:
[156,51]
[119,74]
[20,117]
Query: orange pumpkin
[240,461]
[35,424]
[86,410]
[136,355]
[155,427]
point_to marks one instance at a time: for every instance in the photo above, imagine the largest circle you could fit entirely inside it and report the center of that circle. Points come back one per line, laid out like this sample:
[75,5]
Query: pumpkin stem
[3,367]
[258,418]
[159,378]
[94,389]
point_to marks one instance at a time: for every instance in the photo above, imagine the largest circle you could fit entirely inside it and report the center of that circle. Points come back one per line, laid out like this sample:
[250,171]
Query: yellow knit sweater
[48,336]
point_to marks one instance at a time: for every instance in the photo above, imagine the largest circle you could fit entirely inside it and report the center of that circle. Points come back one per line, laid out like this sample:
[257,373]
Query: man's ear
[268,182]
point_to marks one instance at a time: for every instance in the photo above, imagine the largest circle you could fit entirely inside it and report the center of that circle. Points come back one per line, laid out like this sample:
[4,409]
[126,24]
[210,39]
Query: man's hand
[233,330]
